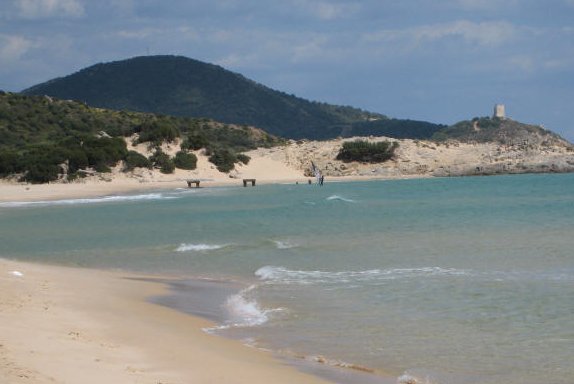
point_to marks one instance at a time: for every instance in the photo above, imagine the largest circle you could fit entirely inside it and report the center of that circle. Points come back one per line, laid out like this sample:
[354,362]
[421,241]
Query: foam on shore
[95,200]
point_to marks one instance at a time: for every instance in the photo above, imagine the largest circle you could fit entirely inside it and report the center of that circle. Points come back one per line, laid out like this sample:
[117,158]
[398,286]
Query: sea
[436,281]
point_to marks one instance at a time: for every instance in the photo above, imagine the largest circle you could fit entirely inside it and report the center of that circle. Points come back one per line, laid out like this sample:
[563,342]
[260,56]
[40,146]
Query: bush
[366,152]
[195,141]
[157,132]
[42,173]
[185,160]
[102,168]
[243,158]
[10,163]
[136,160]
[223,158]
[162,161]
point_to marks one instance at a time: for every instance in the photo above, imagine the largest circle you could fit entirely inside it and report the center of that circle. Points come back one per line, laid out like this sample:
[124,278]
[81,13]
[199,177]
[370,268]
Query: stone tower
[499,111]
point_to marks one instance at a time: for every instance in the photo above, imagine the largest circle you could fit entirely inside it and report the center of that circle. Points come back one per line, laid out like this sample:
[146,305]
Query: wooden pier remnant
[196,182]
[252,181]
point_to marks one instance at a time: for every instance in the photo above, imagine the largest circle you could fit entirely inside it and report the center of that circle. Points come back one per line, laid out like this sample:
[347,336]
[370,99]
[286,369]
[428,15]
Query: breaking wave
[244,311]
[183,247]
[94,200]
[340,198]
[285,244]
[287,276]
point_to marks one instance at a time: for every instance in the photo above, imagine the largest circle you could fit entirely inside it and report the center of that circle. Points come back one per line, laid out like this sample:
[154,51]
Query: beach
[291,163]
[288,244]
[70,325]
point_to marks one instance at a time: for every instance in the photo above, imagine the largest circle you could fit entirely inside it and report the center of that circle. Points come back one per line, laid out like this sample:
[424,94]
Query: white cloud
[143,33]
[12,48]
[324,10]
[492,5]
[235,60]
[309,49]
[38,9]
[484,33]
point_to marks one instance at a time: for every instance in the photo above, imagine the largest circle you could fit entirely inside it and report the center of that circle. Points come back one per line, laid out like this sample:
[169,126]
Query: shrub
[136,160]
[162,161]
[42,173]
[157,132]
[243,158]
[195,141]
[366,152]
[223,158]
[184,160]
[102,168]
[10,163]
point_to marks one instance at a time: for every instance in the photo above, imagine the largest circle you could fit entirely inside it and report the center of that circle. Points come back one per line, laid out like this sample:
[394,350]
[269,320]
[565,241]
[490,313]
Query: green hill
[43,139]
[503,131]
[179,86]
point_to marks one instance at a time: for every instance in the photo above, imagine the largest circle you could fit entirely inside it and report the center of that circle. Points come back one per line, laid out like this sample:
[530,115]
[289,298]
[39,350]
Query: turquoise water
[462,280]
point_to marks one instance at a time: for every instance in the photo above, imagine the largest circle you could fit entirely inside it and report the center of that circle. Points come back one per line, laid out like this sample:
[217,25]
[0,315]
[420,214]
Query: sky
[436,60]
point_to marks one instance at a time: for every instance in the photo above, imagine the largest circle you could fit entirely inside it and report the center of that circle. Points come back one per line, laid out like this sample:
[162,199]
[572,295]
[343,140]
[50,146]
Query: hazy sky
[436,60]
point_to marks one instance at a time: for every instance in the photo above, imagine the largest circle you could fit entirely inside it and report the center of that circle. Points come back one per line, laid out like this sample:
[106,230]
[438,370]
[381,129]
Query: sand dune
[291,163]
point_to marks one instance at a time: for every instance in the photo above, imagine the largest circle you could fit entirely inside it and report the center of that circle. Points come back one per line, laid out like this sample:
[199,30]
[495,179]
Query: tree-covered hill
[43,139]
[497,130]
[179,86]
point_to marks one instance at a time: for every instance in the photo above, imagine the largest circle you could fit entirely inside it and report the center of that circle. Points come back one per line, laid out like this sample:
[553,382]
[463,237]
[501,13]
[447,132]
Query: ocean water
[460,280]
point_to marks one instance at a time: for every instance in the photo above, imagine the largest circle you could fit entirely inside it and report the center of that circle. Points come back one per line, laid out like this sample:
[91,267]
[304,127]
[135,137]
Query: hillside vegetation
[44,139]
[502,131]
[179,86]
[366,152]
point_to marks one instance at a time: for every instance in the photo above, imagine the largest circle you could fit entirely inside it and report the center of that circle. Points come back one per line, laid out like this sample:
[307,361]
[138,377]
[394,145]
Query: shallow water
[463,280]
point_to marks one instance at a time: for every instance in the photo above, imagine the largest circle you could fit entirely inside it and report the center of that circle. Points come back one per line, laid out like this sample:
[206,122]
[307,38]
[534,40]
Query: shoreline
[205,298]
[291,164]
[22,192]
[62,324]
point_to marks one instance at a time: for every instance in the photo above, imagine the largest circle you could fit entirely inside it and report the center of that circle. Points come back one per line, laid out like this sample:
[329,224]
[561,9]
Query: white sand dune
[291,163]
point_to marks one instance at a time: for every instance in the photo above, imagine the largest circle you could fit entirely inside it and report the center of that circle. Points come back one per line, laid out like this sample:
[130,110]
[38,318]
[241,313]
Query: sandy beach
[291,163]
[65,325]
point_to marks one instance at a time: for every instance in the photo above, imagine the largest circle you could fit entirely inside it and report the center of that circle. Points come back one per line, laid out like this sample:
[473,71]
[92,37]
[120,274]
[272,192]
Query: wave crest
[245,311]
[280,244]
[287,276]
[94,200]
[340,198]
[183,247]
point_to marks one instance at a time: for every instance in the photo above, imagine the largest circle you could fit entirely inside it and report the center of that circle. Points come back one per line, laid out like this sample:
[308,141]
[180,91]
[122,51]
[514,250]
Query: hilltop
[180,86]
[499,130]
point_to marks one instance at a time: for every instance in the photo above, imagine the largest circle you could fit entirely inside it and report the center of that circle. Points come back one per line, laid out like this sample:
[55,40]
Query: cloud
[12,48]
[39,9]
[485,4]
[139,34]
[491,33]
[324,10]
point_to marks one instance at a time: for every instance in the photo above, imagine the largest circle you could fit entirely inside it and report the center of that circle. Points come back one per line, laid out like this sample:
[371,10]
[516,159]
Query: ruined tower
[499,111]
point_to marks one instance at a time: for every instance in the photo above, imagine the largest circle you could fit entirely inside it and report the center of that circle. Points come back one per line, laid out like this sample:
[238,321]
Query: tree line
[44,139]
